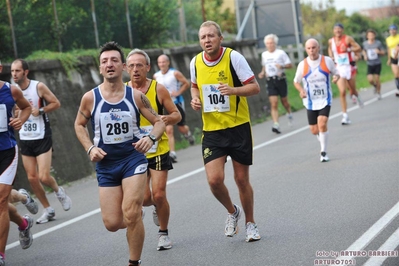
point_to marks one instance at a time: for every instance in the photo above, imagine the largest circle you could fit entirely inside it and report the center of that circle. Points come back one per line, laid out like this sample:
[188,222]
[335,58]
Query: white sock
[323,137]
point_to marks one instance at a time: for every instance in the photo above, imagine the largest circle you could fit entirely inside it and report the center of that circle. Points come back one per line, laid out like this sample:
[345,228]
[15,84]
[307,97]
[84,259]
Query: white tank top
[35,127]
[170,82]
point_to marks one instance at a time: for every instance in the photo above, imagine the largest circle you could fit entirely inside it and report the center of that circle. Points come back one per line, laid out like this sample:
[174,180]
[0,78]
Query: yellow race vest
[218,111]
[392,42]
[162,145]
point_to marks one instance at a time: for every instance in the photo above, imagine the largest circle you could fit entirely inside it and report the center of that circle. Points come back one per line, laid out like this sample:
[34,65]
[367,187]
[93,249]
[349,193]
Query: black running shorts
[160,162]
[374,70]
[235,142]
[34,148]
[313,114]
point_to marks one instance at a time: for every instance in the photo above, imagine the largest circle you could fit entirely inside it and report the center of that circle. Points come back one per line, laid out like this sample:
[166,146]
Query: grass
[296,101]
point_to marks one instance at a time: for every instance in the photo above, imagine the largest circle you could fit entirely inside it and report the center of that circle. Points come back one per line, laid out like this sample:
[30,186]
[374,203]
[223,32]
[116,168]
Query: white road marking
[179,178]
[389,245]
[372,232]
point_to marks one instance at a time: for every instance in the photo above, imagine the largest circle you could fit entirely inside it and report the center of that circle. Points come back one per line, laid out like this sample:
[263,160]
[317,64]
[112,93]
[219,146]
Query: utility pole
[203,10]
[128,25]
[14,42]
[57,26]
[182,19]
[93,15]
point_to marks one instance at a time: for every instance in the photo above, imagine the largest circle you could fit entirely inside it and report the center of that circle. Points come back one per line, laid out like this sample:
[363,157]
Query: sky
[352,6]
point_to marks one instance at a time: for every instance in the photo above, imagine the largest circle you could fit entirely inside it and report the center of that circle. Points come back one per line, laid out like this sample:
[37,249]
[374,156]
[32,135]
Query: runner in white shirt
[314,72]
[36,146]
[176,84]
[274,61]
[340,48]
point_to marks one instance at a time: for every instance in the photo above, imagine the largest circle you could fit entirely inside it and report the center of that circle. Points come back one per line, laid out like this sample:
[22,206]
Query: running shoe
[46,217]
[354,99]
[252,232]
[345,120]
[360,102]
[379,97]
[66,201]
[2,262]
[164,242]
[231,227]
[290,120]
[155,216]
[173,156]
[30,203]
[324,158]
[276,129]
[25,236]
[190,138]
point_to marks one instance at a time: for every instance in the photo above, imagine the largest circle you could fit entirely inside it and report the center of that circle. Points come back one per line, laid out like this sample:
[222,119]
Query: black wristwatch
[152,137]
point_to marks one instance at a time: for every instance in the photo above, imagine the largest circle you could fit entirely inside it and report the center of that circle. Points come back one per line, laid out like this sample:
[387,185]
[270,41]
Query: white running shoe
[345,120]
[155,216]
[2,262]
[25,236]
[252,232]
[30,204]
[66,201]
[190,138]
[379,97]
[164,242]
[173,156]
[354,99]
[290,119]
[360,102]
[323,157]
[46,217]
[231,227]
[276,128]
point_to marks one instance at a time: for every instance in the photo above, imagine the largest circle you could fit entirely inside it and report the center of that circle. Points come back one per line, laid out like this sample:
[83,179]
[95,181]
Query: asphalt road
[307,211]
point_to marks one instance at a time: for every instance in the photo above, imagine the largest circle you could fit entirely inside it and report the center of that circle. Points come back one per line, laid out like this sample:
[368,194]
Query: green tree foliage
[318,20]
[213,11]
[153,21]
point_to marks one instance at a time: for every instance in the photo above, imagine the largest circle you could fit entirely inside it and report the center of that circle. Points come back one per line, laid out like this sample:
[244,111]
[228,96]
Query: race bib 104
[213,100]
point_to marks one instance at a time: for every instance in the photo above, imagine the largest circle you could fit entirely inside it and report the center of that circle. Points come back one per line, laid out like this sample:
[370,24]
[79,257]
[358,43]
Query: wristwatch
[152,137]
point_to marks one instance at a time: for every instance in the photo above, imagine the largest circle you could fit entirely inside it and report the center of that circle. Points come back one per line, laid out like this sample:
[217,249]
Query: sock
[323,140]
[318,137]
[397,83]
[25,201]
[23,225]
[134,262]
[163,232]
[345,115]
[236,212]
[50,209]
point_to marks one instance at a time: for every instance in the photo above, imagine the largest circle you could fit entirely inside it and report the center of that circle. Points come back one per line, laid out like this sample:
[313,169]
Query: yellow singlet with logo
[218,111]
[392,42]
[161,146]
